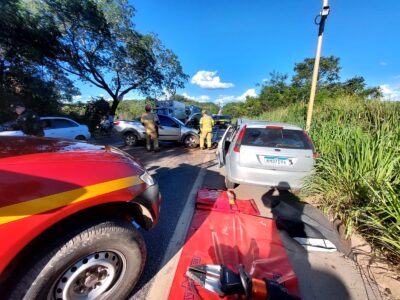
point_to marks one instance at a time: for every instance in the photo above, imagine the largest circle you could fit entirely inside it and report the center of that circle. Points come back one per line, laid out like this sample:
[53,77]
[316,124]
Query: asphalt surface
[175,168]
[320,275]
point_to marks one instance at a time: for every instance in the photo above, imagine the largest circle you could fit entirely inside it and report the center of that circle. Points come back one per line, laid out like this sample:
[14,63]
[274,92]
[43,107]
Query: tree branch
[121,96]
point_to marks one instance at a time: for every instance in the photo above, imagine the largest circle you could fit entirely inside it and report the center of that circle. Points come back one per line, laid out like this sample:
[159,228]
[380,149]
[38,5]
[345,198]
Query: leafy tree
[357,86]
[278,92]
[329,70]
[95,110]
[28,47]
[102,47]
[234,109]
[275,91]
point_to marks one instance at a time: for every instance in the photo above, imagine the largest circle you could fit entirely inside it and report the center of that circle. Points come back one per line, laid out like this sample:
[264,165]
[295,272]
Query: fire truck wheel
[102,260]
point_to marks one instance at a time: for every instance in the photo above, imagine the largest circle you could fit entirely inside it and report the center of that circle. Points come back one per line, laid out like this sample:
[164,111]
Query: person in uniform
[28,121]
[150,122]
[206,126]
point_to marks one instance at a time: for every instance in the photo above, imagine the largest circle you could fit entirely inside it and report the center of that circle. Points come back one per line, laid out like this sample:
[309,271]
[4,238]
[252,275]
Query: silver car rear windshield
[276,138]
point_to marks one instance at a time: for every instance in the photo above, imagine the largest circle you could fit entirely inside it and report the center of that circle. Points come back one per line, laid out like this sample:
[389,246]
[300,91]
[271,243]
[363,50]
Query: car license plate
[276,161]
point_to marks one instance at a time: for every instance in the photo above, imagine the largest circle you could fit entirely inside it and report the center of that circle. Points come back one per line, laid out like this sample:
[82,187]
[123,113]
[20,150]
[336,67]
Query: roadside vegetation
[357,137]
[357,174]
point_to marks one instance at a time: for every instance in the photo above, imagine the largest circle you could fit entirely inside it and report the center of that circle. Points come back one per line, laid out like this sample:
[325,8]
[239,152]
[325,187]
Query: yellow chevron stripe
[36,206]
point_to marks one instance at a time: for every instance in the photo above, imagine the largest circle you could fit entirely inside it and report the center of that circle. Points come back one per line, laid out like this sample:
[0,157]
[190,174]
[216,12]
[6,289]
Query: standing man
[150,122]
[28,121]
[206,126]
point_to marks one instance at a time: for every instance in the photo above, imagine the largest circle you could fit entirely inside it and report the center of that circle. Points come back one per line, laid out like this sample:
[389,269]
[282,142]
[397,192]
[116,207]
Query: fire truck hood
[12,149]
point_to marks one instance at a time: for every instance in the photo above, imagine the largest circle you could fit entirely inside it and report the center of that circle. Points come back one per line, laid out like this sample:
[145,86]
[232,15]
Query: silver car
[171,129]
[267,154]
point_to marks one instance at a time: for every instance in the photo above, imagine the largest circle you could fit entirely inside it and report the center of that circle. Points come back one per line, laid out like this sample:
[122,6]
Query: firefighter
[27,121]
[206,126]
[150,122]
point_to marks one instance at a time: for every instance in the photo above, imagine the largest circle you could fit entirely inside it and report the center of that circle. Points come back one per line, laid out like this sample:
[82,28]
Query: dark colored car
[222,121]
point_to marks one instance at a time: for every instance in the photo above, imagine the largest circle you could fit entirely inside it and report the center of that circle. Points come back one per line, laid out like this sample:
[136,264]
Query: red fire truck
[68,213]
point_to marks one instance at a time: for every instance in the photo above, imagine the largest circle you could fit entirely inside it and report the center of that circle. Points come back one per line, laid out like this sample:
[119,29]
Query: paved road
[179,172]
[176,169]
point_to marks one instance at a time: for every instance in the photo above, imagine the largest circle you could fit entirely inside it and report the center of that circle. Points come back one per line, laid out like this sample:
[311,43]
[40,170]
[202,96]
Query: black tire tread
[60,248]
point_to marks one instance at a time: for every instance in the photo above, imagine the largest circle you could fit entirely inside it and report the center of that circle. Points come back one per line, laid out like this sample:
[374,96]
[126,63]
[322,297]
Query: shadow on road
[295,219]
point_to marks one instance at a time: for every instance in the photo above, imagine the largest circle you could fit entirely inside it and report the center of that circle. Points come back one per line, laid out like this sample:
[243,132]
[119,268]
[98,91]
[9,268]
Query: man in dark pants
[28,121]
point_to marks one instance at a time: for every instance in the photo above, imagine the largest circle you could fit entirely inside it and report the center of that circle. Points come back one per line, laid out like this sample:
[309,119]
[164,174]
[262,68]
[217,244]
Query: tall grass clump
[380,221]
[357,173]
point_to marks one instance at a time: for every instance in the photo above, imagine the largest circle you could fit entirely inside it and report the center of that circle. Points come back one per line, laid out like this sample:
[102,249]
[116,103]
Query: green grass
[357,173]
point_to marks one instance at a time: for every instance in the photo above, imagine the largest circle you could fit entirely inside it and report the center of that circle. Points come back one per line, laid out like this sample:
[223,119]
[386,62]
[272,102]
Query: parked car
[67,215]
[265,153]
[58,127]
[222,121]
[171,129]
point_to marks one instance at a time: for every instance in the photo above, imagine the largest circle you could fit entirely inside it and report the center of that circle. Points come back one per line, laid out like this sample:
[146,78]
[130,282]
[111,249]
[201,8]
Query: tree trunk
[113,108]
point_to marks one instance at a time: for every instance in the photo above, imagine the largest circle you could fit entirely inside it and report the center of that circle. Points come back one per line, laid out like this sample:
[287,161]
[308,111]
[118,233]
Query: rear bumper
[150,199]
[121,132]
[271,178]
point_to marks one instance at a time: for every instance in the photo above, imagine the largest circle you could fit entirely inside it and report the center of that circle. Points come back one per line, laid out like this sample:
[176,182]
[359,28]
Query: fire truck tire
[102,260]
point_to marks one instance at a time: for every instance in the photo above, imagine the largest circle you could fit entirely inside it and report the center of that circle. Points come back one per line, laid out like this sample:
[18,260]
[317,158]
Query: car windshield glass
[179,121]
[167,121]
[276,138]
[62,123]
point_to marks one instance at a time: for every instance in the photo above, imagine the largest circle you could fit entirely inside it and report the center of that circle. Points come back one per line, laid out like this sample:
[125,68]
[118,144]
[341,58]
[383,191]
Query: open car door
[223,145]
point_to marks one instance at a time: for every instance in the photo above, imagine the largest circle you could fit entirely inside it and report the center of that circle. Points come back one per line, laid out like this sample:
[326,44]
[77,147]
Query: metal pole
[324,14]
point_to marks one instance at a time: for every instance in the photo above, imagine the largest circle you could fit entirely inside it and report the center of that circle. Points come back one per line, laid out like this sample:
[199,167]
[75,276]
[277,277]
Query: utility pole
[323,15]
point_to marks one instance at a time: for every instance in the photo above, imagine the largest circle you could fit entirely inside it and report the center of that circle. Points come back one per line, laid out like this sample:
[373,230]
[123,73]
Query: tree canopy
[279,91]
[28,73]
[101,46]
[43,42]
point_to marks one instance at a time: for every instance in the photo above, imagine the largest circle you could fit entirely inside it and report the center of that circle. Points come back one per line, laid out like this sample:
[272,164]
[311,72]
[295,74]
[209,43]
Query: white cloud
[390,92]
[77,98]
[209,80]
[383,63]
[248,93]
[225,98]
[202,98]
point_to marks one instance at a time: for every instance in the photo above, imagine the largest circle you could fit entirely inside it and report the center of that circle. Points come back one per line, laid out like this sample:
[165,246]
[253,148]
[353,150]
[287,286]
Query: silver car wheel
[130,139]
[190,141]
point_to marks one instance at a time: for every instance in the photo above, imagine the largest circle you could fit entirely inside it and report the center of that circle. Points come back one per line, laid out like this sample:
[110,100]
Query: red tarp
[227,236]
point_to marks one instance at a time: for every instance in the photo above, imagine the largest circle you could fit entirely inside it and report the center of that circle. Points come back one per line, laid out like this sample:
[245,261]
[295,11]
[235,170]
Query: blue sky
[227,47]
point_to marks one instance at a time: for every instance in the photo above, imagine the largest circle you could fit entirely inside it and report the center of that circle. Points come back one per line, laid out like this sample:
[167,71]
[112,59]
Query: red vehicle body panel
[43,181]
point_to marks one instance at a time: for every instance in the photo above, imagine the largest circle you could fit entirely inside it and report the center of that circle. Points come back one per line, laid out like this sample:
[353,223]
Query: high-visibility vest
[206,124]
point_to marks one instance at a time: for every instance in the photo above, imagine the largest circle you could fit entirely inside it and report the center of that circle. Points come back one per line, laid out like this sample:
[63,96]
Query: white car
[267,154]
[58,127]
